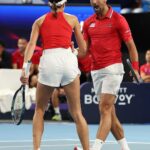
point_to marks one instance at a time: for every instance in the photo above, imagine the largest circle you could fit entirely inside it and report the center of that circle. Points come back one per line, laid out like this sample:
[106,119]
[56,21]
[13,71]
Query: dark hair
[148,50]
[54,6]
[23,38]
[2,44]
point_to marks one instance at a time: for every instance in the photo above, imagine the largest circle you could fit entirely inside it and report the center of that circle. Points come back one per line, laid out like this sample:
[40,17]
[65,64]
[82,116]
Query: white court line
[25,146]
[62,145]
[71,140]
[48,140]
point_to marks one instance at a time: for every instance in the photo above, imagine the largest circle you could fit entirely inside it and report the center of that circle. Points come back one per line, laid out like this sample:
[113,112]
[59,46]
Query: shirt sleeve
[124,29]
[85,31]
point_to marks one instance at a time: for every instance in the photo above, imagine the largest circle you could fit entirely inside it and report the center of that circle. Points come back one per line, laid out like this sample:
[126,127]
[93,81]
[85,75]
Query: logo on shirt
[109,25]
[92,25]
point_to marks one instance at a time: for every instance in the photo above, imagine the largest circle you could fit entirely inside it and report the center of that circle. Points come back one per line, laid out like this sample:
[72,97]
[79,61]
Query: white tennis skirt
[58,67]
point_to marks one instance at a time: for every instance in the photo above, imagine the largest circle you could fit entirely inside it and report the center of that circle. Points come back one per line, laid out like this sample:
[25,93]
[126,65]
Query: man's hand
[137,74]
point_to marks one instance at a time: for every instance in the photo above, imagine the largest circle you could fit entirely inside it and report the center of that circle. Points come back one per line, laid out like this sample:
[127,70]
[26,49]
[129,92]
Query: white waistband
[55,50]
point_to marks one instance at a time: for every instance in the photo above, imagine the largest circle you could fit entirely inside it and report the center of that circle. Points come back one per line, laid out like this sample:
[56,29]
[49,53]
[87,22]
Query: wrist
[135,65]
[75,52]
[24,65]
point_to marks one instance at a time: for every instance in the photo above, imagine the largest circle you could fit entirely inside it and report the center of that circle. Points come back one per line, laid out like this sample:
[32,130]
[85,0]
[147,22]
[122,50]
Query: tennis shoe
[57,117]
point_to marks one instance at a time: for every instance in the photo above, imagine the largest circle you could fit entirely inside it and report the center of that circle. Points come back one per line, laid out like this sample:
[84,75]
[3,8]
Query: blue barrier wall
[132,106]
[17,20]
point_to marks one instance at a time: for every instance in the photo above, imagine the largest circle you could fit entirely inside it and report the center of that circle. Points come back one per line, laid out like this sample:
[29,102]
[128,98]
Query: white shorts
[108,79]
[58,67]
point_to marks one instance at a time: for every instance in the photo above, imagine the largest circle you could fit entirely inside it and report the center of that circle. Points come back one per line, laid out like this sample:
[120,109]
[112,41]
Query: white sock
[56,109]
[97,144]
[38,148]
[123,143]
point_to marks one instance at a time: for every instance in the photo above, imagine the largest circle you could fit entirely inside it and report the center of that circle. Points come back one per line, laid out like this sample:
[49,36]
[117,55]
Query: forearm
[81,53]
[29,52]
[133,55]
[146,77]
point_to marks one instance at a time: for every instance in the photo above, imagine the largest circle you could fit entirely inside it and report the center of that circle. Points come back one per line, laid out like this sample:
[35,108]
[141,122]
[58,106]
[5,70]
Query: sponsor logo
[92,25]
[124,98]
[90,98]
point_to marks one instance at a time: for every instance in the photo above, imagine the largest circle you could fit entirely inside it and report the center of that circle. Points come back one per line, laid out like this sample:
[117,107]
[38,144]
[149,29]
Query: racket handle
[27,69]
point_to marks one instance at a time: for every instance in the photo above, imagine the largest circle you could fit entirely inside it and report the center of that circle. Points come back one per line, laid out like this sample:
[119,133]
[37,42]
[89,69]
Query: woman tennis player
[58,66]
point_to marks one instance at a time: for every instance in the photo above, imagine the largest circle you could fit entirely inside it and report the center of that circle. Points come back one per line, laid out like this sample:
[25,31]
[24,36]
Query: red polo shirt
[105,37]
[145,69]
[18,59]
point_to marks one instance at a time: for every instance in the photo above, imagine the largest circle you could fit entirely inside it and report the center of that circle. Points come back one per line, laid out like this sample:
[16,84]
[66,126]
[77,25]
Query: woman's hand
[24,78]
[74,50]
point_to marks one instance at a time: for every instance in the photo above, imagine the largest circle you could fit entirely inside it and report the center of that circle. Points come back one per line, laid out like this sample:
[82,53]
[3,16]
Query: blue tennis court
[62,136]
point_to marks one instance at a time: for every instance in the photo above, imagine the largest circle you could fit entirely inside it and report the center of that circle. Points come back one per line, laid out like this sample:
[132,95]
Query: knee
[77,116]
[39,112]
[105,108]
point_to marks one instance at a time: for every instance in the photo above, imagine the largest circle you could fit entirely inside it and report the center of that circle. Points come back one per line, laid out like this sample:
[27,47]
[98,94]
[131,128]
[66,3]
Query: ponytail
[56,4]
[54,7]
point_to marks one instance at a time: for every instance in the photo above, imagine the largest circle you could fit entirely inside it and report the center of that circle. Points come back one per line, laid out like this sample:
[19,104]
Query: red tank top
[55,32]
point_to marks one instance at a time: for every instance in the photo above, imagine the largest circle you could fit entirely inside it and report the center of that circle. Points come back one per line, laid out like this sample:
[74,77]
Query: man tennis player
[104,31]
[58,66]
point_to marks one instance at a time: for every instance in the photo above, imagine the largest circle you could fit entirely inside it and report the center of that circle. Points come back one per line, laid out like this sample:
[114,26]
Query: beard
[97,10]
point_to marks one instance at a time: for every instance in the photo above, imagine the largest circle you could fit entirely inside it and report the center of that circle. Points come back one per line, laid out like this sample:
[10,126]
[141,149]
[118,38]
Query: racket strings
[18,105]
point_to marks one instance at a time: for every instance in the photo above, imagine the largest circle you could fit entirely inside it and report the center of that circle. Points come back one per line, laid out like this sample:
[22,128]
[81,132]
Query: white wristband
[75,52]
[24,65]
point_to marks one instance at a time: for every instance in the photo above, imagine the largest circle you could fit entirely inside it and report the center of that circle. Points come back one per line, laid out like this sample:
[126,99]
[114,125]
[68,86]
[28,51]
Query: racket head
[18,105]
[132,71]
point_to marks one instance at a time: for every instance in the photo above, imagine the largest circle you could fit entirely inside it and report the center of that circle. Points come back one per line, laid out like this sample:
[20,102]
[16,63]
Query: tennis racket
[18,102]
[133,72]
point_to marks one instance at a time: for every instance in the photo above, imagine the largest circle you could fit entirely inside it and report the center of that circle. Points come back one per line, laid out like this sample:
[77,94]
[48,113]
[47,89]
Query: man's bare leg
[117,131]
[105,106]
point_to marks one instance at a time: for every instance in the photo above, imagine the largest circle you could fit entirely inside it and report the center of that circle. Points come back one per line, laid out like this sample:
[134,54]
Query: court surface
[62,136]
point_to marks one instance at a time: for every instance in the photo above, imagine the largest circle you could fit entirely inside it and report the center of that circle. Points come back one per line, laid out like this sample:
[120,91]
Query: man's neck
[22,52]
[103,14]
[106,8]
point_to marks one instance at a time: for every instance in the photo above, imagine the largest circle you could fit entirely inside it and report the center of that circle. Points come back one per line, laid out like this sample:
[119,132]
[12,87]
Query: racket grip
[27,68]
